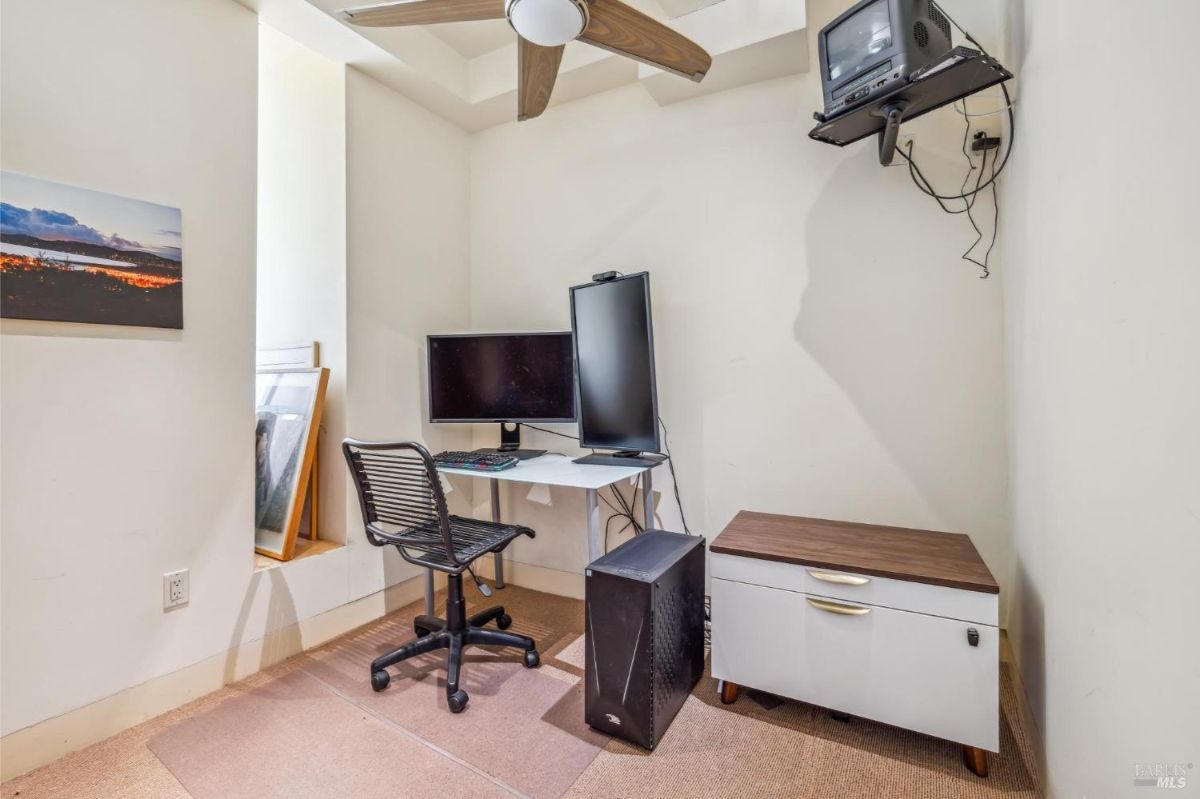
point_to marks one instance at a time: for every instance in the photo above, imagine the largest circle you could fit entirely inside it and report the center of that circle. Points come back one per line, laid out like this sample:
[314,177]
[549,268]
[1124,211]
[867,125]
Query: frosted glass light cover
[549,23]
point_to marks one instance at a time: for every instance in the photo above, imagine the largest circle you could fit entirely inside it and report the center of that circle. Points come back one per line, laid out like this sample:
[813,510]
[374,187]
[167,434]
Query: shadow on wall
[894,327]
[283,633]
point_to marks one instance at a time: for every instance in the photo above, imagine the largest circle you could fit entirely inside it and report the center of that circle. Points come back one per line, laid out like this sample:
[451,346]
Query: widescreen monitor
[502,377]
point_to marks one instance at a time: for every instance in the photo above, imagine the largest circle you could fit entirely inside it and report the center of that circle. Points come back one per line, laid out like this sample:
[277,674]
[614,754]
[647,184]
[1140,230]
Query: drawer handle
[834,607]
[841,579]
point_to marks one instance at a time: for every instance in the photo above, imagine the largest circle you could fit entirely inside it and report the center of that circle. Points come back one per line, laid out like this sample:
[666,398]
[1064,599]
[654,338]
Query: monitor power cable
[674,479]
[551,432]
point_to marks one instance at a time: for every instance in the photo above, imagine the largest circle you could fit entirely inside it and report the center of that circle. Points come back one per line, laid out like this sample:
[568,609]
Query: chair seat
[472,539]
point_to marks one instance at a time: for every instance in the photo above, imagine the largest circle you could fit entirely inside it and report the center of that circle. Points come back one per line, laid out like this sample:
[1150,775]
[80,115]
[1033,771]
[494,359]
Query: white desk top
[558,470]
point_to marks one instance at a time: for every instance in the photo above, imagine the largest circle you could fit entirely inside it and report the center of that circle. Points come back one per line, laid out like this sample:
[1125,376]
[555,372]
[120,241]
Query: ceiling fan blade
[616,27]
[422,12]
[538,69]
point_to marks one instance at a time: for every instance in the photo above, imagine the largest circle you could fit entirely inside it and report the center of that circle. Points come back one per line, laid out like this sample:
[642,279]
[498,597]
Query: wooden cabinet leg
[976,760]
[729,692]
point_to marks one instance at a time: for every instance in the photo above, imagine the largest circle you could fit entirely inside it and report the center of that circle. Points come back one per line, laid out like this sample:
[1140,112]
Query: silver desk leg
[648,499]
[595,545]
[499,556]
[429,593]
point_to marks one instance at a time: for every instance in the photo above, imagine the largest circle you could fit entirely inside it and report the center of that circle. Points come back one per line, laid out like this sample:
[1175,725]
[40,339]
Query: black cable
[674,480]
[969,198]
[995,218]
[626,509]
[966,256]
[928,187]
[625,512]
[1012,132]
[551,432]
[969,203]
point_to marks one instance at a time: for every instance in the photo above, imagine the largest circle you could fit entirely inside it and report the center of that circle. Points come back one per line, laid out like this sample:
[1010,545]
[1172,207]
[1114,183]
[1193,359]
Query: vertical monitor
[614,362]
[508,377]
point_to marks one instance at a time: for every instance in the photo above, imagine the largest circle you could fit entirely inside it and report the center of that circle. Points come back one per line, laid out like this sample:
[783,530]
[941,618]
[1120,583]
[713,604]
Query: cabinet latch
[972,636]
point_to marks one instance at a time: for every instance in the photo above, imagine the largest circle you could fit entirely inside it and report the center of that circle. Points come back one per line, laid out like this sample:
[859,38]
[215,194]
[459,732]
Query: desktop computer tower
[644,624]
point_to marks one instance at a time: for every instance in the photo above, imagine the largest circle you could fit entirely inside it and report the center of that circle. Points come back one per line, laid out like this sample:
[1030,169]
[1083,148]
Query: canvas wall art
[75,255]
[289,402]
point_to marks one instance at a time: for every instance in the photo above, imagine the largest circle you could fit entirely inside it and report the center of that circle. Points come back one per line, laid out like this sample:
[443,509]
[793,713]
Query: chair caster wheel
[457,701]
[380,680]
[532,659]
[504,621]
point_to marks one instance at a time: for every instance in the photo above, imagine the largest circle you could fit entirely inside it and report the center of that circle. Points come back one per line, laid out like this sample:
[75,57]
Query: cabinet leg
[729,692]
[976,760]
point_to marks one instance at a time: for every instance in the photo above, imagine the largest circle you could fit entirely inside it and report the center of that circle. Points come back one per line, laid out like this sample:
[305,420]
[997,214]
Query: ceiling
[466,72]
[471,39]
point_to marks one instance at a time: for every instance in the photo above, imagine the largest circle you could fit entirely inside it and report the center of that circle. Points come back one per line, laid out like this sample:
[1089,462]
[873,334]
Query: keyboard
[476,461]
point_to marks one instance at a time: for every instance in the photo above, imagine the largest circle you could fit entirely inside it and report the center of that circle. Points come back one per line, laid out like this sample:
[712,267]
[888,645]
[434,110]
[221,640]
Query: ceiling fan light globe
[549,23]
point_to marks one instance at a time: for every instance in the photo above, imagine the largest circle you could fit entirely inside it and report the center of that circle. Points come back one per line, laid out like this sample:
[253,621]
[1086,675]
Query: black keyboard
[476,461]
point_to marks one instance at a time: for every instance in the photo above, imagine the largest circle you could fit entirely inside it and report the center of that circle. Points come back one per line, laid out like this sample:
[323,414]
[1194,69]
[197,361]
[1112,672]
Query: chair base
[454,633]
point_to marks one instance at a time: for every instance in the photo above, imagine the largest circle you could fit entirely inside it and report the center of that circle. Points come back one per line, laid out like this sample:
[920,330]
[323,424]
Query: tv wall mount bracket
[961,73]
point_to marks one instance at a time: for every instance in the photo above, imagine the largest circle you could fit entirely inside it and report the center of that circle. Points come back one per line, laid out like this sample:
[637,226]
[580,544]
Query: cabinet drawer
[911,670]
[934,600]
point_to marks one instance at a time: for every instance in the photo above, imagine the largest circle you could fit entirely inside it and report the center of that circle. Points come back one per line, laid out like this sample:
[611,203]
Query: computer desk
[558,470]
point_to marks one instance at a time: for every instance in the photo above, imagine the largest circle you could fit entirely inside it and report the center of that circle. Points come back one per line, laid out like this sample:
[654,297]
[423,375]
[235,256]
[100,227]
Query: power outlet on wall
[175,589]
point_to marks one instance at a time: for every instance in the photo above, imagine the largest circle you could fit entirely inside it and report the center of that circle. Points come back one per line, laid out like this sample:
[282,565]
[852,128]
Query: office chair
[403,505]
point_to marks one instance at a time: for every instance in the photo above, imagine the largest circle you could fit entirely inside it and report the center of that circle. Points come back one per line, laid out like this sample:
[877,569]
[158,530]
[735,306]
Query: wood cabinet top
[922,556]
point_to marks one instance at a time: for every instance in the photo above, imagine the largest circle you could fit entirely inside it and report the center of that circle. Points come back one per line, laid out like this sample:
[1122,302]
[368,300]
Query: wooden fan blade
[538,69]
[422,12]
[618,28]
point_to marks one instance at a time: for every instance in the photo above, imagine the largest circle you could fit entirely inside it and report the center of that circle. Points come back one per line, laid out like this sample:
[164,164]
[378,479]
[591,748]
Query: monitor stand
[622,457]
[510,443]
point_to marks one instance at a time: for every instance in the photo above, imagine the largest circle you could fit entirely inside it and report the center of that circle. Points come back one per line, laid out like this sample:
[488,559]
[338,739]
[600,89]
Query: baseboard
[1027,719]
[44,742]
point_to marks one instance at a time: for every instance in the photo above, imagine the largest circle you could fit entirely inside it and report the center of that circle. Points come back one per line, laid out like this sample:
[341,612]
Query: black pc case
[645,634]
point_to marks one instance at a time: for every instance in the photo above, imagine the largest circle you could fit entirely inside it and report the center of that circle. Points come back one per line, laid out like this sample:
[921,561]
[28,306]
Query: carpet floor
[312,727]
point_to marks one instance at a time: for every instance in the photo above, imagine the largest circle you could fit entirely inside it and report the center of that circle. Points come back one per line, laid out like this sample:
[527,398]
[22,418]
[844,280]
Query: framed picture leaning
[289,403]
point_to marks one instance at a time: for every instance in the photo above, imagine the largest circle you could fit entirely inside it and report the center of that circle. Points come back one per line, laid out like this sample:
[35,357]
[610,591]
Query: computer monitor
[614,363]
[503,377]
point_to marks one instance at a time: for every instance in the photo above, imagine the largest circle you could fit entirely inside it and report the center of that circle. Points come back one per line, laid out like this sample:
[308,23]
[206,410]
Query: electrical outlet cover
[175,589]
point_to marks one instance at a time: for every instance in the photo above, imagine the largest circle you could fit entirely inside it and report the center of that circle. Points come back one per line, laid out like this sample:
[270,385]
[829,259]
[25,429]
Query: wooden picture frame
[289,356]
[289,405]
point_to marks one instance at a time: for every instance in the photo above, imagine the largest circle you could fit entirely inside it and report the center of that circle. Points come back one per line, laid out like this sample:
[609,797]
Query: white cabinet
[908,669]
[886,623]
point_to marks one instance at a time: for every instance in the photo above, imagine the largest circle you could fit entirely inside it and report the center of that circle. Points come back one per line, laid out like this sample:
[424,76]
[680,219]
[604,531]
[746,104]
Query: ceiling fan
[543,29]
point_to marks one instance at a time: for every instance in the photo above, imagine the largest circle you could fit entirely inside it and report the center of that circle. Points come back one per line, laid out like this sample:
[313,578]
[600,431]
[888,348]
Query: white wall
[1103,352]
[408,259]
[302,233]
[821,349]
[126,451]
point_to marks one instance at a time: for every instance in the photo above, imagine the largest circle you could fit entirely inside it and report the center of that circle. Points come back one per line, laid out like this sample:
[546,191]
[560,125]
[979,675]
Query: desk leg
[499,556]
[429,593]
[595,545]
[648,499]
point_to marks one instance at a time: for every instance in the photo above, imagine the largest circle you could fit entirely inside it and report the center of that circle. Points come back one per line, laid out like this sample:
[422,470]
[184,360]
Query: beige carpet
[312,727]
[220,754]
